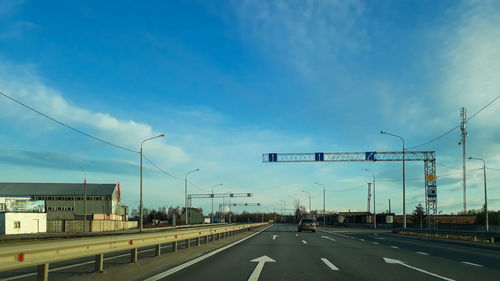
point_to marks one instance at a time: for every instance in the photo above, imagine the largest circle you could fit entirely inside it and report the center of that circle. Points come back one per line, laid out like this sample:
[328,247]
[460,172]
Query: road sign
[431,177]
[319,156]
[370,156]
[273,157]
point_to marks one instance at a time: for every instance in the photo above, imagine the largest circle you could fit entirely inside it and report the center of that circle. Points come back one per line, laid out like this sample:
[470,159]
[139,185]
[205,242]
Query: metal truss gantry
[428,157]
[216,195]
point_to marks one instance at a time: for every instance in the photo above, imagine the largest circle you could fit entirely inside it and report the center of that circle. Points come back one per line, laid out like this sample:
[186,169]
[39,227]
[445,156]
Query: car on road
[307,224]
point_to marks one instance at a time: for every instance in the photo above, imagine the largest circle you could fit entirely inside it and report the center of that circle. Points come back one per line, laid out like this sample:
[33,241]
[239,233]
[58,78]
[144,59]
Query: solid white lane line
[329,264]
[395,247]
[422,253]
[304,242]
[393,261]
[473,264]
[198,259]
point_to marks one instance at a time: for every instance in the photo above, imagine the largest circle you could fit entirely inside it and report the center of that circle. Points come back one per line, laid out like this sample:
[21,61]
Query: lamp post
[374,208]
[295,207]
[186,193]
[404,181]
[485,194]
[324,208]
[140,204]
[309,200]
[84,200]
[212,214]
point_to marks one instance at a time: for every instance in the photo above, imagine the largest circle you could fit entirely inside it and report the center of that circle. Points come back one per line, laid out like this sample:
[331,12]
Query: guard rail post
[43,272]
[158,250]
[99,263]
[174,246]
[133,255]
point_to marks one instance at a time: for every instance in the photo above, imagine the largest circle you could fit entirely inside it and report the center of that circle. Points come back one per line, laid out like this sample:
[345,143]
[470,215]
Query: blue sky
[229,80]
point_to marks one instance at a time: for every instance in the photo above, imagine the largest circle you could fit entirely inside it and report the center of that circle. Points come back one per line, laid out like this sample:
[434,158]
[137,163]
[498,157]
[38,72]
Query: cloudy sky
[229,80]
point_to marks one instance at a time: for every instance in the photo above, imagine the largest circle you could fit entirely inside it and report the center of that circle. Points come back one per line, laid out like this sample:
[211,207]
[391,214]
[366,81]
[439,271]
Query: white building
[20,215]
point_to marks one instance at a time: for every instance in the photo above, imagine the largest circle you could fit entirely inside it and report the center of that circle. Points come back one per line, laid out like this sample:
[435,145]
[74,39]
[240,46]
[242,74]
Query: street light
[404,181]
[186,193]
[140,204]
[212,214]
[84,200]
[309,200]
[485,194]
[324,210]
[374,208]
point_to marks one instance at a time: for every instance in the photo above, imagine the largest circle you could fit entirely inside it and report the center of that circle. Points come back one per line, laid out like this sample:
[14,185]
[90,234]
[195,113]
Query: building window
[17,224]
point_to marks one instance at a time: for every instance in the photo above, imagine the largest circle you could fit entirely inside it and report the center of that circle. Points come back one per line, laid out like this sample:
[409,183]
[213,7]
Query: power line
[439,176]
[347,189]
[449,167]
[452,129]
[160,169]
[171,175]
[68,126]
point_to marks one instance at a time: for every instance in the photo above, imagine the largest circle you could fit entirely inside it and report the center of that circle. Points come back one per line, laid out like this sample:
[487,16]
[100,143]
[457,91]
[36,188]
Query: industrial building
[64,204]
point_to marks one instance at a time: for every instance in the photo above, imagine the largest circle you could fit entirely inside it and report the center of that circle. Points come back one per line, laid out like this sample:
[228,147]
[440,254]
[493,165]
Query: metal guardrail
[470,235]
[46,252]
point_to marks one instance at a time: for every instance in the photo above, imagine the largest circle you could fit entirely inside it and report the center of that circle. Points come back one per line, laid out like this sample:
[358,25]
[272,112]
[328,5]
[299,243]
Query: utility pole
[463,116]
[84,200]
[389,205]
[369,197]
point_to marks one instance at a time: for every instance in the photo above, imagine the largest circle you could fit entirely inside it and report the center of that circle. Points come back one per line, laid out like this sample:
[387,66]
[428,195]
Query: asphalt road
[331,254]
[285,254]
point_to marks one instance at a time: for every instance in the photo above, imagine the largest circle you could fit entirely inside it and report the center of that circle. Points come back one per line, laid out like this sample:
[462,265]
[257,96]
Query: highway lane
[459,252]
[333,256]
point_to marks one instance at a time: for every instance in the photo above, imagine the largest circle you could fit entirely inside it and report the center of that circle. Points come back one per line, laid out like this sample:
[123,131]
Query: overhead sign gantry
[428,157]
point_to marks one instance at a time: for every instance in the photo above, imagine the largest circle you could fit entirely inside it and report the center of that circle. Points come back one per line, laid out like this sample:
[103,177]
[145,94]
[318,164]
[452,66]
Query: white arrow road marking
[260,265]
[326,237]
[329,264]
[304,242]
[198,259]
[274,237]
[422,253]
[470,263]
[393,261]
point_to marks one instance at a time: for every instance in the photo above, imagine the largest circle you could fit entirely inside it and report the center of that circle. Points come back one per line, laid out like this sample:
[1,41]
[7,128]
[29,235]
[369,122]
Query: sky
[226,81]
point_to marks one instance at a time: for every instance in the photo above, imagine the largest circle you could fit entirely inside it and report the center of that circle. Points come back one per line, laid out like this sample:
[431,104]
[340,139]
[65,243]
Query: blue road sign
[370,156]
[273,157]
[319,156]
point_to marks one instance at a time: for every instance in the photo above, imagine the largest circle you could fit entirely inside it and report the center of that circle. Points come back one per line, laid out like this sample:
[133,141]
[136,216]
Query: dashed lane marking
[422,253]
[473,264]
[304,242]
[329,264]
[395,247]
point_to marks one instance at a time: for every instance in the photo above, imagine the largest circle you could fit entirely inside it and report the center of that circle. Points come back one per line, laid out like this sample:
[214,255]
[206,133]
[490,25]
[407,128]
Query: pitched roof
[40,189]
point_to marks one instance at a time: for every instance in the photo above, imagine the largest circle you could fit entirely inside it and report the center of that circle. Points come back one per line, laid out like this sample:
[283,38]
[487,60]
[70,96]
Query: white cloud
[23,84]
